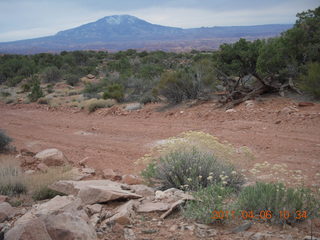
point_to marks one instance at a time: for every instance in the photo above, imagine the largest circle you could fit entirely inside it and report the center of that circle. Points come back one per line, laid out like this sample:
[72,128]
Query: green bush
[4,141]
[36,91]
[275,197]
[310,82]
[12,189]
[72,79]
[51,74]
[114,91]
[192,170]
[206,201]
[44,193]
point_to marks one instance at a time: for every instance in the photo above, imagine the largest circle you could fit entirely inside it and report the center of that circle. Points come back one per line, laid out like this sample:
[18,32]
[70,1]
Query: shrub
[51,74]
[36,91]
[4,141]
[206,201]
[114,91]
[43,101]
[94,104]
[44,193]
[72,79]
[148,98]
[192,170]
[275,197]
[310,82]
[11,178]
[5,94]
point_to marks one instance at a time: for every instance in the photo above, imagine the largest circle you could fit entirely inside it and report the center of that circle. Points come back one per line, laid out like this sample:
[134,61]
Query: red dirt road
[276,130]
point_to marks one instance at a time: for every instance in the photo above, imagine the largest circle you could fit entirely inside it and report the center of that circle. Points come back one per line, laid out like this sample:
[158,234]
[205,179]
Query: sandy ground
[277,130]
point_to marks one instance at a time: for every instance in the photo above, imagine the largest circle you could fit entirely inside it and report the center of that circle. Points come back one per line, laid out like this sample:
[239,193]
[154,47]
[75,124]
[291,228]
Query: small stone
[242,228]
[131,179]
[93,209]
[278,122]
[90,171]
[149,231]
[305,104]
[173,228]
[111,175]
[129,234]
[42,167]
[310,238]
[29,172]
[3,198]
[231,110]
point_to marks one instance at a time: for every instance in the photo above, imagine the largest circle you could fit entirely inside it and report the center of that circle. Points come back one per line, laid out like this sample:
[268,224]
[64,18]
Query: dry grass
[204,142]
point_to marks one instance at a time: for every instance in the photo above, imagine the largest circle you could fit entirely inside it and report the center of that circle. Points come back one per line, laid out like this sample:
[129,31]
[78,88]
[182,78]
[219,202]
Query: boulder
[56,204]
[52,157]
[93,209]
[111,175]
[6,211]
[89,171]
[69,226]
[133,106]
[131,179]
[94,191]
[34,229]
[172,195]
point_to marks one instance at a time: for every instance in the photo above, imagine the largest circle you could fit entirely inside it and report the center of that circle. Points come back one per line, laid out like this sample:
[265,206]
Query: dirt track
[117,141]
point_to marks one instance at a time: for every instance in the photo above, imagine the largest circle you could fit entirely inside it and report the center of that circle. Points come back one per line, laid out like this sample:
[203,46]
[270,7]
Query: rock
[142,190]
[133,106]
[173,228]
[34,229]
[89,171]
[29,172]
[173,195]
[69,226]
[124,214]
[26,152]
[83,162]
[94,219]
[249,103]
[94,191]
[242,228]
[147,206]
[278,122]
[231,110]
[131,179]
[288,110]
[56,204]
[172,208]
[6,211]
[305,104]
[52,157]
[42,167]
[261,236]
[93,209]
[310,238]
[129,234]
[3,198]
[205,233]
[111,175]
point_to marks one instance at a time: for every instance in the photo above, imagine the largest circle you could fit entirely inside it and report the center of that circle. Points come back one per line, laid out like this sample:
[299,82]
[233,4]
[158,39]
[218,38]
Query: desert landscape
[173,133]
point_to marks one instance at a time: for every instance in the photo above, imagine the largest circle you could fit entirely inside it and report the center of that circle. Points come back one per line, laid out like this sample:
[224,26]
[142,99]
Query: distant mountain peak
[121,19]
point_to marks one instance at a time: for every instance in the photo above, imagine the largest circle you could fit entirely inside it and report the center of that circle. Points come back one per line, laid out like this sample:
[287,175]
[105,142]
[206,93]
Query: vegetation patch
[4,141]
[94,104]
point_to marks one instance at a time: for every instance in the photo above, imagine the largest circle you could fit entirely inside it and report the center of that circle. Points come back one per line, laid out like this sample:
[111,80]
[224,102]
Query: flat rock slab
[146,207]
[94,191]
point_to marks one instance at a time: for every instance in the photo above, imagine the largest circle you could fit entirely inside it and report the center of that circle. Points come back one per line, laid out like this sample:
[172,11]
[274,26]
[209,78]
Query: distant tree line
[241,70]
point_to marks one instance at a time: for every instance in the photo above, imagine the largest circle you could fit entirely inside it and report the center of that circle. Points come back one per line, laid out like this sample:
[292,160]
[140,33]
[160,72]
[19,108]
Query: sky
[24,19]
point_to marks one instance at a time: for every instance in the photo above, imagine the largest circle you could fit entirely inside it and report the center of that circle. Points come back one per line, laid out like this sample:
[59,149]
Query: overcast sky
[22,19]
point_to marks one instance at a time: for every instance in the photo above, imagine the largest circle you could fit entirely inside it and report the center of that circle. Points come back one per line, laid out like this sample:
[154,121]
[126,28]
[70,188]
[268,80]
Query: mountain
[120,32]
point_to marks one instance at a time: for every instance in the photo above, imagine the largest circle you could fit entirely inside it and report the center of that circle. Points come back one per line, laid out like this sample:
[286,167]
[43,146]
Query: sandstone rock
[29,172]
[89,171]
[147,206]
[26,152]
[94,191]
[231,110]
[172,195]
[242,228]
[34,229]
[6,211]
[93,209]
[42,167]
[131,179]
[310,238]
[57,204]
[142,190]
[205,233]
[52,157]
[69,226]
[94,219]
[3,198]
[124,214]
[133,106]
[111,175]
[172,208]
